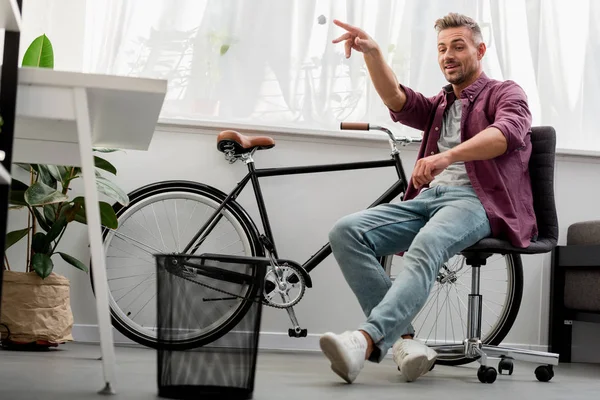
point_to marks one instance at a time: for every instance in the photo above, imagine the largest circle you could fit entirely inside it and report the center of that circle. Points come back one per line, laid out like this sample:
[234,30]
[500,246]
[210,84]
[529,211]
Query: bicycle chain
[263,301]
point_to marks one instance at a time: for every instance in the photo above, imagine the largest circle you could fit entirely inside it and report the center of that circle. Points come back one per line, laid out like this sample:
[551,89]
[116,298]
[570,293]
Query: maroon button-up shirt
[502,184]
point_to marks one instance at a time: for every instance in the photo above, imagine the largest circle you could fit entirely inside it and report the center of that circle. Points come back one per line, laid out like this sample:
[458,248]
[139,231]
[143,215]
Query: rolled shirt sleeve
[512,116]
[416,110]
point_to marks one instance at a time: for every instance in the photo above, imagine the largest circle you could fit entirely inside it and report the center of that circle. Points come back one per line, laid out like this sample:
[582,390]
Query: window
[271,62]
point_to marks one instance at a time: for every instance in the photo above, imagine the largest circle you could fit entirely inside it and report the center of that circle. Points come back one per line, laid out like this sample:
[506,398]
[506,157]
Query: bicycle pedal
[293,333]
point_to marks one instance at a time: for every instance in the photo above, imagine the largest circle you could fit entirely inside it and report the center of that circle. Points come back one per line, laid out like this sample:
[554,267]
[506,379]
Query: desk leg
[95,237]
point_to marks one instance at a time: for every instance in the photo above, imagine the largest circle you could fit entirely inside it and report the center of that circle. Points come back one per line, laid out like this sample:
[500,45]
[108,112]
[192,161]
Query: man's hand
[355,38]
[428,167]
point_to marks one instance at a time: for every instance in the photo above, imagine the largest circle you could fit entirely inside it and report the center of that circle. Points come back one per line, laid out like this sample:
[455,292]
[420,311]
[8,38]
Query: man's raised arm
[382,76]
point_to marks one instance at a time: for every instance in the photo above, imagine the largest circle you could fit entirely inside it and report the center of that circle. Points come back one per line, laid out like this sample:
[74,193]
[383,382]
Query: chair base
[473,348]
[484,353]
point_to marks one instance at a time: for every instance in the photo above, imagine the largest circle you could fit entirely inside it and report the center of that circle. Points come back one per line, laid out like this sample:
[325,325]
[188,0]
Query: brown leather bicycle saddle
[241,143]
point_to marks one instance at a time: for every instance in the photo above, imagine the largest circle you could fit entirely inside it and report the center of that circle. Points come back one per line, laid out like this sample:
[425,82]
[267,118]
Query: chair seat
[490,245]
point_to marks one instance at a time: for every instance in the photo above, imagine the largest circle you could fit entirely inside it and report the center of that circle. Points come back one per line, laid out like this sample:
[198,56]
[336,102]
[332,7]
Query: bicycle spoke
[127,277]
[142,226]
[132,301]
[191,217]
[136,286]
[159,230]
[129,286]
[134,256]
[171,225]
[119,234]
[431,298]
[177,228]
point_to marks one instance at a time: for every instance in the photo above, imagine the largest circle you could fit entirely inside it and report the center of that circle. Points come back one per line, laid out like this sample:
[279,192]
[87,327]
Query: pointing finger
[346,26]
[345,36]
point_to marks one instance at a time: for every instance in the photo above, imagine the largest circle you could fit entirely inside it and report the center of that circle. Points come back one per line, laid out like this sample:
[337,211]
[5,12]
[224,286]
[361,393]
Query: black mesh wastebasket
[208,321]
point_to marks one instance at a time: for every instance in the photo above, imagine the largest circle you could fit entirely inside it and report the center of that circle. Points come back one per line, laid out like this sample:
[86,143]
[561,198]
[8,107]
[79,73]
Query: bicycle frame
[253,176]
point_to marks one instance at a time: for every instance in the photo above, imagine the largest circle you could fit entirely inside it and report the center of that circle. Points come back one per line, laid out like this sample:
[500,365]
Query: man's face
[458,56]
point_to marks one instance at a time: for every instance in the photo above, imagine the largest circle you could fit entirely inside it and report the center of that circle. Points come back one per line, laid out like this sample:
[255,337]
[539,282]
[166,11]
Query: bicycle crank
[284,286]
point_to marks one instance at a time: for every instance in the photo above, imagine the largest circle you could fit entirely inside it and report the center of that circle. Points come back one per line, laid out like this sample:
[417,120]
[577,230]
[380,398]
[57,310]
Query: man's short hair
[455,20]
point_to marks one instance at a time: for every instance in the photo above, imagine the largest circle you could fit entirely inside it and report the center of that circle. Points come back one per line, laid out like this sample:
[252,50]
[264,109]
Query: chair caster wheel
[544,373]
[507,365]
[486,374]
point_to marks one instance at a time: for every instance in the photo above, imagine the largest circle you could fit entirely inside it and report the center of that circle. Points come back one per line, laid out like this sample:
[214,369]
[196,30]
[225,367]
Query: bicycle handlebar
[365,126]
[355,126]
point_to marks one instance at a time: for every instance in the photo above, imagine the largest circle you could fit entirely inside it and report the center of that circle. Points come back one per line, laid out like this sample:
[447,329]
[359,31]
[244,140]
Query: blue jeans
[434,226]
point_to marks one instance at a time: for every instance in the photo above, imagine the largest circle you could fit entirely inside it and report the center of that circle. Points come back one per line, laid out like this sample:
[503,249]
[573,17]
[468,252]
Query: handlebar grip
[354,126]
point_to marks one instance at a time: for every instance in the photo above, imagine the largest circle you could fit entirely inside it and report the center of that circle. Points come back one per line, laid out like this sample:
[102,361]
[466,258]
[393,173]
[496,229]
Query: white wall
[191,154]
[293,201]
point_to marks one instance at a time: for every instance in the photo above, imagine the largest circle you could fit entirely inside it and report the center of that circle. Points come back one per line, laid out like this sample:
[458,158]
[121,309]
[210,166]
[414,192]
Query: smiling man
[470,181]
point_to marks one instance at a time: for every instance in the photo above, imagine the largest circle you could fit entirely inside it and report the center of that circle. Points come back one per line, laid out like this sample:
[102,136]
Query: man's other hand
[428,167]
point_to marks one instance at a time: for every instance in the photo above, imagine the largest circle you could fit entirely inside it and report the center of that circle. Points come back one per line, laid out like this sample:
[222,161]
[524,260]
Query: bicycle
[132,297]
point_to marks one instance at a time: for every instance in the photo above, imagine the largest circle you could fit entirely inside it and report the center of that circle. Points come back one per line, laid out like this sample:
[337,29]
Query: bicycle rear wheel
[443,318]
[161,219]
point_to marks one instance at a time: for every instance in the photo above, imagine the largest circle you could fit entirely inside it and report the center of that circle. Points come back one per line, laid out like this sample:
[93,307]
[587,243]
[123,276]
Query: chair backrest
[541,170]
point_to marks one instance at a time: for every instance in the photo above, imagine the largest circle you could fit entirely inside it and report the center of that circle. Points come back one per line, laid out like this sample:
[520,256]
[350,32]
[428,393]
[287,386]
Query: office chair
[541,168]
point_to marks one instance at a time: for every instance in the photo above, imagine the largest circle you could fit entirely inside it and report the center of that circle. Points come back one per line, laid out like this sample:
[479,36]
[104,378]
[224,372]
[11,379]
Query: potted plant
[36,303]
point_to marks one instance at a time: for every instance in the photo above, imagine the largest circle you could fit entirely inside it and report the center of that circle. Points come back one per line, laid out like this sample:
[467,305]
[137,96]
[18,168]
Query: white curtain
[271,62]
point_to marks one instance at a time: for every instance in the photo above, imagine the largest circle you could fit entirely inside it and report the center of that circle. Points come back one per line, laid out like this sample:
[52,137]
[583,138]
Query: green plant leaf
[26,167]
[69,211]
[14,236]
[108,217]
[224,49]
[40,194]
[40,243]
[57,172]
[65,173]
[17,193]
[68,177]
[104,150]
[39,53]
[42,265]
[73,261]
[56,228]
[111,190]
[105,165]
[45,176]
[50,213]
[41,219]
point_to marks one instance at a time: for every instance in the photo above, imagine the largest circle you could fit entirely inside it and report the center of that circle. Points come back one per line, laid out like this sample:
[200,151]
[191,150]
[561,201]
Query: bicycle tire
[249,228]
[505,320]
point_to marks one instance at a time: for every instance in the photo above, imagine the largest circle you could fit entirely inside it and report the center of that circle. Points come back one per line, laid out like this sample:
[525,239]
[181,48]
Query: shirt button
[437,129]
[433,152]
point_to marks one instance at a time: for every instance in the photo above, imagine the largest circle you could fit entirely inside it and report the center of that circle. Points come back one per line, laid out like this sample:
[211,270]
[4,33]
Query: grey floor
[74,372]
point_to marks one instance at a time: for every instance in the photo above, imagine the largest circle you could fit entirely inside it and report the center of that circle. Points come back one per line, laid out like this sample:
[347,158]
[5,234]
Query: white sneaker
[346,352]
[414,358]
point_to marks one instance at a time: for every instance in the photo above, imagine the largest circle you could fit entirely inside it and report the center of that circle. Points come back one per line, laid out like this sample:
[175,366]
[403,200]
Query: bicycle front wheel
[163,218]
[443,318]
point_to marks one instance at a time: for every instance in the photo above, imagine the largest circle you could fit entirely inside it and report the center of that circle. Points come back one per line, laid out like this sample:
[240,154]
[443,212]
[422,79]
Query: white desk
[10,17]
[60,117]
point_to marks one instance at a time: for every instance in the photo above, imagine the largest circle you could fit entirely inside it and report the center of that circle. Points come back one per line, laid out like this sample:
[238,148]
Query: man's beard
[456,78]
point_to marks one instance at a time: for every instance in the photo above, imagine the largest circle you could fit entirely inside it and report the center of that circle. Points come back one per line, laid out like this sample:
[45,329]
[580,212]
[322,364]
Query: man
[470,182]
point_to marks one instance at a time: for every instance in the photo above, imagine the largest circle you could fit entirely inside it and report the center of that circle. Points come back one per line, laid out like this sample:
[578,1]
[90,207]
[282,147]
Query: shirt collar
[471,91]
